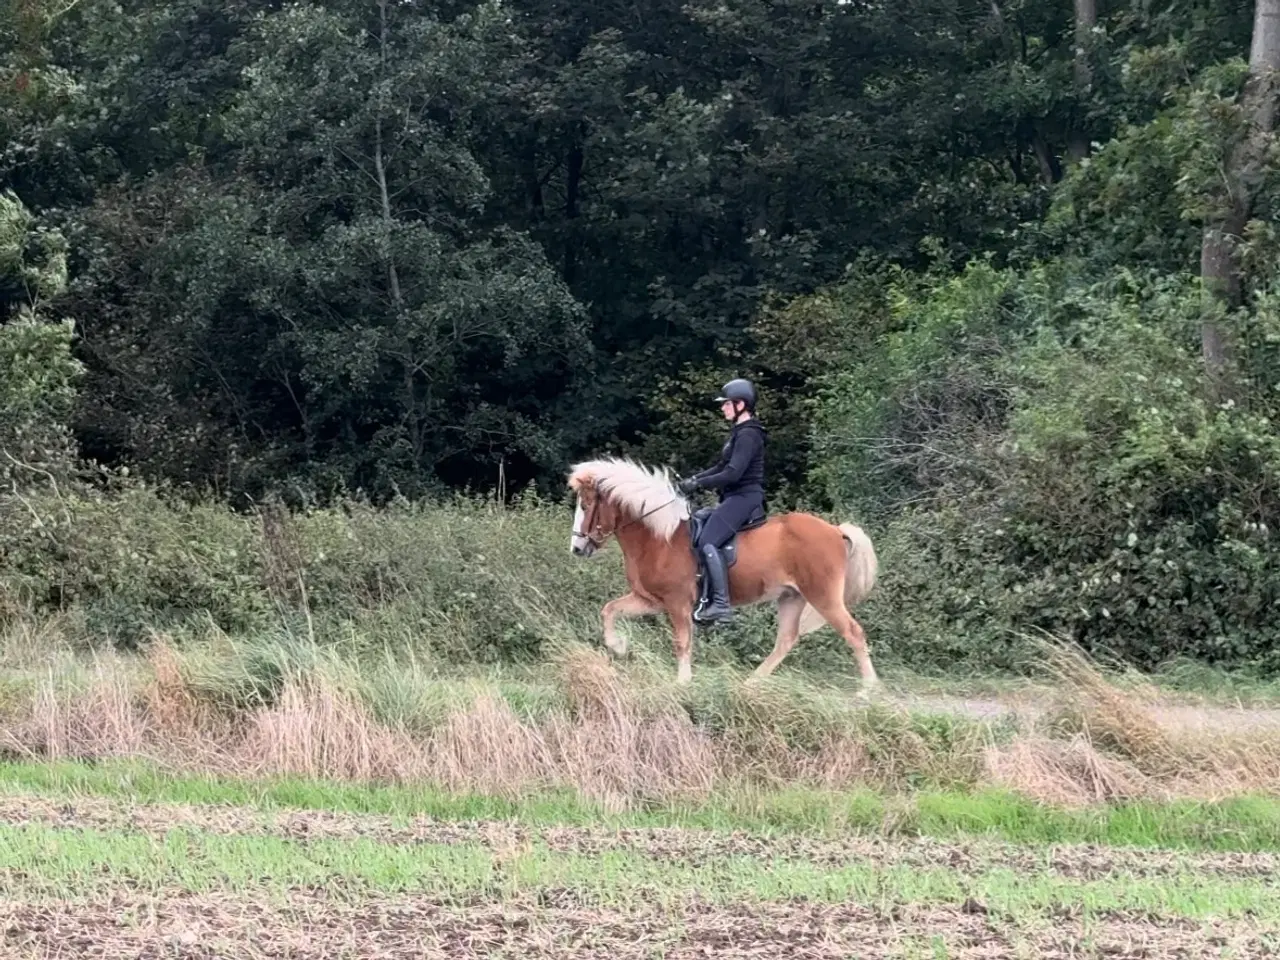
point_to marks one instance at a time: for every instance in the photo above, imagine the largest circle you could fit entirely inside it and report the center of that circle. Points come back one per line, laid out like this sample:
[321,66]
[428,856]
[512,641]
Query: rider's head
[737,400]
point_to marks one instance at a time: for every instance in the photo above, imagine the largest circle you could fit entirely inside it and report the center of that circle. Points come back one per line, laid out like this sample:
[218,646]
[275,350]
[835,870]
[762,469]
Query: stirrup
[718,613]
[719,620]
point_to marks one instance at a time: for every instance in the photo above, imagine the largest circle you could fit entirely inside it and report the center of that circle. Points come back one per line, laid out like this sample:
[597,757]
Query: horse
[814,570]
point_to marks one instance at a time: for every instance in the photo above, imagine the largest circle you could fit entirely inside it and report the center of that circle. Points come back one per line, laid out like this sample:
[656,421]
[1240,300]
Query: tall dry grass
[620,735]
[1115,738]
[616,737]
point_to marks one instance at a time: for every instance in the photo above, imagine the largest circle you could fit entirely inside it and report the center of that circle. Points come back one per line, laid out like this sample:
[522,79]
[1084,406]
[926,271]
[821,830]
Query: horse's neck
[636,539]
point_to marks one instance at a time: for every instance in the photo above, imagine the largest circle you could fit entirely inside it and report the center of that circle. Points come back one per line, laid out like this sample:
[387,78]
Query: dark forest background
[1006,273]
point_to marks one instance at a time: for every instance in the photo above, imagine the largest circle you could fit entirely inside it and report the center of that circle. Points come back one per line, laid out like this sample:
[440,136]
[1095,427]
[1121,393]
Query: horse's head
[619,495]
[594,519]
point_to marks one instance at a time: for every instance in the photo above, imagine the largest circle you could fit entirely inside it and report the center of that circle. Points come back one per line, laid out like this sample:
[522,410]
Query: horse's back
[799,523]
[793,534]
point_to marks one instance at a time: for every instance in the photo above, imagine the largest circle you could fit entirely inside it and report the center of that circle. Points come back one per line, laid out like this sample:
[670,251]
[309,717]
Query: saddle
[730,550]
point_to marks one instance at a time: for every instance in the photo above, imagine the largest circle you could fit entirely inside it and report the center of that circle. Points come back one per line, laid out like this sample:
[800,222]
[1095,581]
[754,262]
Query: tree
[1244,169]
[608,191]
[38,374]
[337,289]
[1086,12]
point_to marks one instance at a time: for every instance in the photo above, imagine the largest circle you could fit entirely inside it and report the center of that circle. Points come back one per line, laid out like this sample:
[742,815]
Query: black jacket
[741,466]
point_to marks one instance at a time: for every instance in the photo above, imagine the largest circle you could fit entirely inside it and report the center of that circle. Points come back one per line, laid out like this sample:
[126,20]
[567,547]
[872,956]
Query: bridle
[586,522]
[598,543]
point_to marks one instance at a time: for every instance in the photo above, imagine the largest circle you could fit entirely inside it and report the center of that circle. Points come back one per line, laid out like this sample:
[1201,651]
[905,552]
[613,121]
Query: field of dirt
[315,925]
[335,920]
[686,846]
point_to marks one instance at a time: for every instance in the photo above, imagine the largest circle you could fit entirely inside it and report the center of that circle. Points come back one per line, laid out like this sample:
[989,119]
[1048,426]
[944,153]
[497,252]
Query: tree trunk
[532,182]
[1219,271]
[1082,73]
[1050,169]
[380,172]
[572,187]
[1264,62]
[1221,286]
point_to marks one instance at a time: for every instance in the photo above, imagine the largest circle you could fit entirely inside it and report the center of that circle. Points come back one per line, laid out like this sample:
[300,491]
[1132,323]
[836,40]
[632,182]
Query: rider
[739,476]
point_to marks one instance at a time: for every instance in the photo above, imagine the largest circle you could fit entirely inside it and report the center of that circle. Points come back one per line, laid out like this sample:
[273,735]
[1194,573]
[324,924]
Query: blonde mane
[640,491]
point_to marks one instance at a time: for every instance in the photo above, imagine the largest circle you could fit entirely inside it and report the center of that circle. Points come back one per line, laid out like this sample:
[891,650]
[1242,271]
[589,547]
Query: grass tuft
[623,735]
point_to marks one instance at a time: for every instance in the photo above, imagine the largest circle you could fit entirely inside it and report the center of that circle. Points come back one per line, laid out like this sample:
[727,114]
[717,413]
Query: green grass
[56,861]
[1247,824]
[42,860]
[1214,685]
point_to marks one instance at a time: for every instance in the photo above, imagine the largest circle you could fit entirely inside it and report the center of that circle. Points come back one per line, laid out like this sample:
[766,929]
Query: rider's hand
[688,485]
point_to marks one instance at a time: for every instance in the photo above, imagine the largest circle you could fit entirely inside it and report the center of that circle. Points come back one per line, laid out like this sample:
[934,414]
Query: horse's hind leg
[790,607]
[833,610]
[856,638]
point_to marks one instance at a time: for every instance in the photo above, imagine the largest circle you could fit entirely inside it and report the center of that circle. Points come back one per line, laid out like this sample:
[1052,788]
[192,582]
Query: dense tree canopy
[1004,270]
[390,245]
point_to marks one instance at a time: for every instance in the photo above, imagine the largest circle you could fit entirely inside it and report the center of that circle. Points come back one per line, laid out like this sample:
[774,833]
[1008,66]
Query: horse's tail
[860,568]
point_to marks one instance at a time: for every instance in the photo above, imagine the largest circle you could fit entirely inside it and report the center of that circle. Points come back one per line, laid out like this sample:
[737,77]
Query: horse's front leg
[630,605]
[682,640]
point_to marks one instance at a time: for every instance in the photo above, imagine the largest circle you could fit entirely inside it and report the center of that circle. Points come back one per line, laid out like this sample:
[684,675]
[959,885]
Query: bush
[463,579]
[1050,460]
[38,373]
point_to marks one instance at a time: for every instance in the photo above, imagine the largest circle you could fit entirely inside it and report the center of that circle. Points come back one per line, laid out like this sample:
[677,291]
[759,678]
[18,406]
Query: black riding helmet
[739,390]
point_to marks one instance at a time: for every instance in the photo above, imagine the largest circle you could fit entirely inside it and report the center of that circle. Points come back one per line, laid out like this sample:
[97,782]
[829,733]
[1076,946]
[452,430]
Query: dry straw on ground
[622,739]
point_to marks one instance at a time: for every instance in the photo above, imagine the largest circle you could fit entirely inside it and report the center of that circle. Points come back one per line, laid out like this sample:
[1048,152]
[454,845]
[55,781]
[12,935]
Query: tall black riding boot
[715,605]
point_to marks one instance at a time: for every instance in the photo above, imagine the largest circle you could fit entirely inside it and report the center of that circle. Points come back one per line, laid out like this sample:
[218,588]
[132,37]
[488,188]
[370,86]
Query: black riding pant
[728,518]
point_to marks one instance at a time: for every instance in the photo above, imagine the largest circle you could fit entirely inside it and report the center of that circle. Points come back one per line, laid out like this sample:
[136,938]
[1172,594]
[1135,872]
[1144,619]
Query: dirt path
[1176,717]
[312,925]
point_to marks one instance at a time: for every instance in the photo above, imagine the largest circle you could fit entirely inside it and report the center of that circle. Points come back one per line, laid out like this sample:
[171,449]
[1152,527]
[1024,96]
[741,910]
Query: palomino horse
[814,570]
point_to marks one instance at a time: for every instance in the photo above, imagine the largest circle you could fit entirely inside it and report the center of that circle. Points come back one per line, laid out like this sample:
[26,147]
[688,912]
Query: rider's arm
[714,468]
[745,446]
[710,471]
